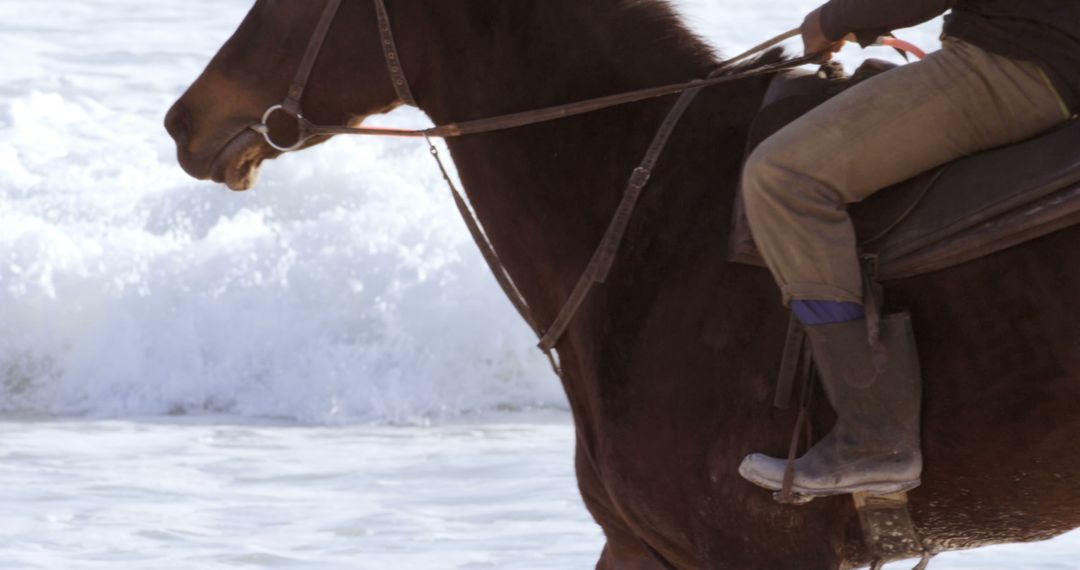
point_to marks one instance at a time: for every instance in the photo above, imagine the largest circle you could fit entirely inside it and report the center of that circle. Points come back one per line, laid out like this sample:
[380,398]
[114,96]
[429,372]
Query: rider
[1008,70]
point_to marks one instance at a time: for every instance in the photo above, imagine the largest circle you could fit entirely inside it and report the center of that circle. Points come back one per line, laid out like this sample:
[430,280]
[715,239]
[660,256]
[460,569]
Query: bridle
[307,130]
[291,104]
[600,265]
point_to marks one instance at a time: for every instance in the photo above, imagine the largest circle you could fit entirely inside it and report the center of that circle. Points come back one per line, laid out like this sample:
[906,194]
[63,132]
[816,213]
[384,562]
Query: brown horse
[668,366]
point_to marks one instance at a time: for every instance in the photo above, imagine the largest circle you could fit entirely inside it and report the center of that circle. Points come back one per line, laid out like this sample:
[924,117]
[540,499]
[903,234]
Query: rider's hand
[814,40]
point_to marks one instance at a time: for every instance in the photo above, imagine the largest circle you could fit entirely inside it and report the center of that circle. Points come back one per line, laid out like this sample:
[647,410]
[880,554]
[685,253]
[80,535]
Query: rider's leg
[958,101]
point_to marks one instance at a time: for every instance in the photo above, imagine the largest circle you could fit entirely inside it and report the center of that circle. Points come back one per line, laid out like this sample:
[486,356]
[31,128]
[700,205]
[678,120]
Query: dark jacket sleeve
[869,19]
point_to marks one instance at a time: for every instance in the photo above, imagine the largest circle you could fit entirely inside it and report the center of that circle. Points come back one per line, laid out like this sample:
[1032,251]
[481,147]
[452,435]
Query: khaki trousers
[956,102]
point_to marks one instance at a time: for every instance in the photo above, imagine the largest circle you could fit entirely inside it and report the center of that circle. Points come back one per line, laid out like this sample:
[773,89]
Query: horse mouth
[239,162]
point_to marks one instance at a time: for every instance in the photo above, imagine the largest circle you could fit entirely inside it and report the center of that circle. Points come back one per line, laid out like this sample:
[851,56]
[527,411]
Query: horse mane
[598,47]
[648,16]
[644,18]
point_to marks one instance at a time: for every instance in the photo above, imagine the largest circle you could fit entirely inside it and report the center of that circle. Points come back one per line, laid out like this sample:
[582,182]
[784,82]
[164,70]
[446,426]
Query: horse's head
[211,123]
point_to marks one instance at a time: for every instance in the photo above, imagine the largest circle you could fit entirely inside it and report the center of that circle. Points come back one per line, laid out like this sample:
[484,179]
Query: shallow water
[215,493]
[226,493]
[316,374]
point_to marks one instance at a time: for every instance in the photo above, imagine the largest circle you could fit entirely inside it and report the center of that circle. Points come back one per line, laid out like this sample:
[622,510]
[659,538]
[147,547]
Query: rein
[600,265]
[308,130]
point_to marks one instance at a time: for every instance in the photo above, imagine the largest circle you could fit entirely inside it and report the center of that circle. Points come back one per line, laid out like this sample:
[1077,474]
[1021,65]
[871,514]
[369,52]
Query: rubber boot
[874,447]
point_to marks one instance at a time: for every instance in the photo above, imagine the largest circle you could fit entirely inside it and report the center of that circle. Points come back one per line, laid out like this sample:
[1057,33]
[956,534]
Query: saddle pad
[970,208]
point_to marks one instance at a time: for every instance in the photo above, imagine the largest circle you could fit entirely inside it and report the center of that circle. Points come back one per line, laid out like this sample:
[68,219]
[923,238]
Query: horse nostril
[176,123]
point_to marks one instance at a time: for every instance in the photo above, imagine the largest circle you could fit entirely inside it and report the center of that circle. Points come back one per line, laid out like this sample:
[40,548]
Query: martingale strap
[600,266]
[601,263]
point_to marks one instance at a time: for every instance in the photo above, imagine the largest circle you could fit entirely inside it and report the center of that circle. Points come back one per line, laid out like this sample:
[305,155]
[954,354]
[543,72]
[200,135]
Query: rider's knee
[761,178]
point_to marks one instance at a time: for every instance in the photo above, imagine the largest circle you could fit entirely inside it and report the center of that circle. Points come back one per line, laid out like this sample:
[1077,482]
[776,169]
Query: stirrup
[887,529]
[922,565]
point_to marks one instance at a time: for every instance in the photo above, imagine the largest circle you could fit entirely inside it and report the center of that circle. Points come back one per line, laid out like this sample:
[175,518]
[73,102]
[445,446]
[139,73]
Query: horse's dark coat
[668,366]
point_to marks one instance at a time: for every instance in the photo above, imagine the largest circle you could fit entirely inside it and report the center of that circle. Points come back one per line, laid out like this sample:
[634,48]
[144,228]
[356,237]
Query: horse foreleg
[619,555]
[624,550]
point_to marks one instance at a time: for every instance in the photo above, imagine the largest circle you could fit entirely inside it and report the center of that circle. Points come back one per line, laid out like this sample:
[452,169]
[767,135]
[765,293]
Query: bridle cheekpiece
[291,106]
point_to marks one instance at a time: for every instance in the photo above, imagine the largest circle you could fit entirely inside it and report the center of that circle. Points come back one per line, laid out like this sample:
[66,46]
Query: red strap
[899,44]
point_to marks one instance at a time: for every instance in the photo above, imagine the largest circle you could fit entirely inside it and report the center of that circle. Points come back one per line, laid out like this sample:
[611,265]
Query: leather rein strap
[536,116]
[600,265]
[393,60]
[299,84]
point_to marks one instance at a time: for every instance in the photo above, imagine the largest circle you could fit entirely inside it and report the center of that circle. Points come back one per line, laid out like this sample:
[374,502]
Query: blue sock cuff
[813,313]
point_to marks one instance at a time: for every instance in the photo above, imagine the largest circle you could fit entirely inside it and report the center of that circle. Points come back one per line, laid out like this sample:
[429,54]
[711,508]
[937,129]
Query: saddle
[965,210]
[962,211]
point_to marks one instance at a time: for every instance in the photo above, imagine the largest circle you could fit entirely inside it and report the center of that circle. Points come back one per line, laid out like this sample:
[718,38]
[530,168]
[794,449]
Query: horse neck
[545,193]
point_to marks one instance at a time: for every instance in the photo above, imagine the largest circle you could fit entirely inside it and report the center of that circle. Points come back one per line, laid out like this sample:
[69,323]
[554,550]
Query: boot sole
[874,488]
[767,473]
